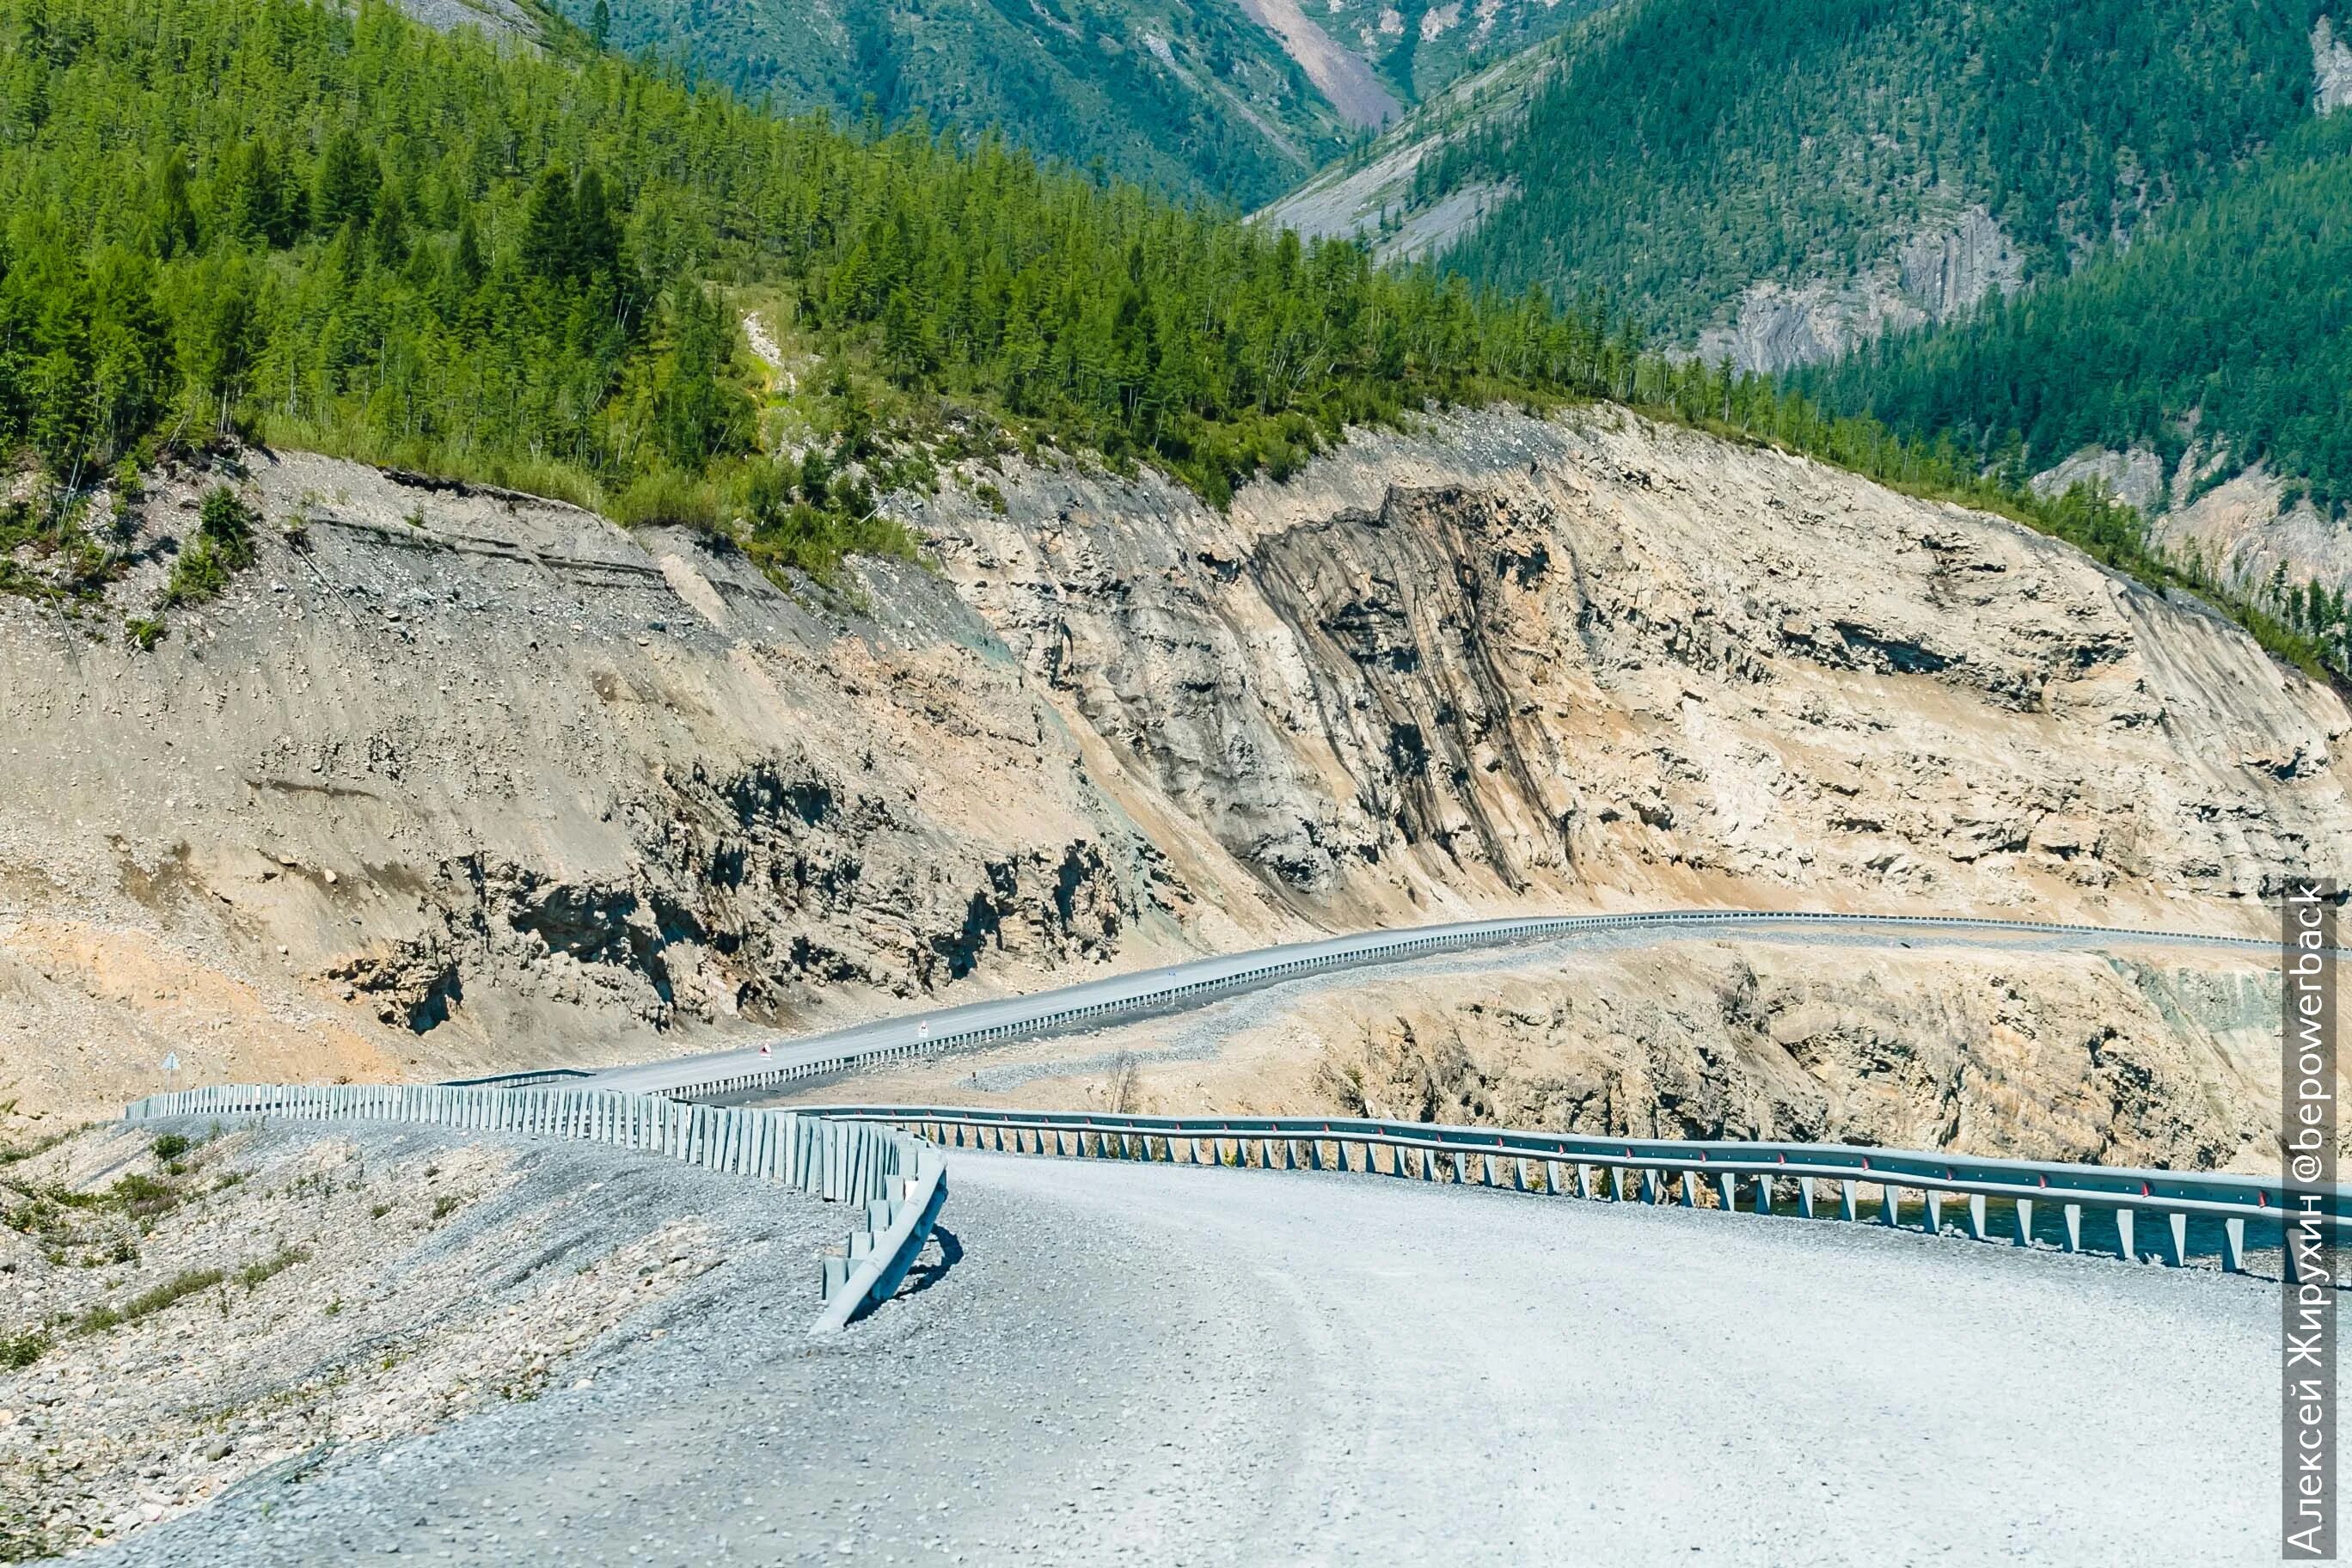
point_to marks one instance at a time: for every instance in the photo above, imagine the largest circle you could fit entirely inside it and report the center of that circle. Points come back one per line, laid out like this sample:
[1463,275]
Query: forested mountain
[1698,159]
[1236,100]
[1186,97]
[340,229]
[2226,325]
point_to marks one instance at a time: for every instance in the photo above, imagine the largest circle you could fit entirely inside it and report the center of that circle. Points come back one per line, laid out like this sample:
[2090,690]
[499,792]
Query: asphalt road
[1181,987]
[1183,1366]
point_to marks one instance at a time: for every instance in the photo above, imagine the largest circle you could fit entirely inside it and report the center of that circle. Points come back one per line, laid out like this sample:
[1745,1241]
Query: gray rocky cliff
[464,780]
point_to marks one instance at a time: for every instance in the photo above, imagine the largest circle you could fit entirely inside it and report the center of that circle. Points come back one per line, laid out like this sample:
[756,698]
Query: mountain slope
[2220,341]
[1237,99]
[1193,98]
[456,780]
[1777,182]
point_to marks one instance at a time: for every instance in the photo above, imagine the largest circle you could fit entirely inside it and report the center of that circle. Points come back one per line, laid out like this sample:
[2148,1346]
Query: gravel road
[1193,1365]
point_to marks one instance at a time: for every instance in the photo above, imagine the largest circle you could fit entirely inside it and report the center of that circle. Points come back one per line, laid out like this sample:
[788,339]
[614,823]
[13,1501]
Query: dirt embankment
[459,780]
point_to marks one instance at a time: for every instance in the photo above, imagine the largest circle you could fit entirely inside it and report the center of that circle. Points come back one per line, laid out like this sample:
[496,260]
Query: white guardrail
[748,1071]
[2198,1213]
[899,1183]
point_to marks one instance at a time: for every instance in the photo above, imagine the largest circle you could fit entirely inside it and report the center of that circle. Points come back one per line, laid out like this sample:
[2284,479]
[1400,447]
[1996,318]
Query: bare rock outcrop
[460,780]
[455,778]
[1940,272]
[2331,69]
[1508,660]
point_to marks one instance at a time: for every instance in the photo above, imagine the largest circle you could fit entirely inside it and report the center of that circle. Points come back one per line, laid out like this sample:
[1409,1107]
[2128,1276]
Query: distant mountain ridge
[1780,184]
[1235,100]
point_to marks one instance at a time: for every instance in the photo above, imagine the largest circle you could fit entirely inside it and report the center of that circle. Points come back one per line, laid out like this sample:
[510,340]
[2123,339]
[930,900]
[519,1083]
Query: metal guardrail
[1816,1177]
[523,1079]
[899,1183]
[742,1072]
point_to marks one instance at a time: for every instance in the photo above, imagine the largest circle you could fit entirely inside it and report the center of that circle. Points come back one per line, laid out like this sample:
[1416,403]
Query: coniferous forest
[341,230]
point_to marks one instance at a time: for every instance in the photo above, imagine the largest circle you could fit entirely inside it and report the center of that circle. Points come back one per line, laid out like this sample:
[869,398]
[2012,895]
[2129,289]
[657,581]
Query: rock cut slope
[458,780]
[1510,660]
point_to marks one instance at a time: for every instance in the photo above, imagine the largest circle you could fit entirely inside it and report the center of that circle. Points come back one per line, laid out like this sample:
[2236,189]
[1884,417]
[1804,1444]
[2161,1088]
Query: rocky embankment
[2044,1051]
[461,780]
[178,1316]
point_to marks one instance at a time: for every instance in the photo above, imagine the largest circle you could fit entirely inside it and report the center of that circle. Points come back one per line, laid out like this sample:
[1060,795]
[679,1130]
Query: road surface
[1207,980]
[1193,1365]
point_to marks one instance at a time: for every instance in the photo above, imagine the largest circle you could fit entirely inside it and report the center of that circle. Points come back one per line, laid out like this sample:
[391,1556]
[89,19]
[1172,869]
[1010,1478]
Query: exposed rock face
[470,780]
[2051,1058]
[2135,477]
[2150,1059]
[483,779]
[1939,273]
[1512,660]
[2247,530]
[2244,527]
[1340,74]
[2331,69]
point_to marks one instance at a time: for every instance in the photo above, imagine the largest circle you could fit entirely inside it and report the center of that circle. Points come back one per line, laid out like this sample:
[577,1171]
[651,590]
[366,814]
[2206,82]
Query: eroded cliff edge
[463,780]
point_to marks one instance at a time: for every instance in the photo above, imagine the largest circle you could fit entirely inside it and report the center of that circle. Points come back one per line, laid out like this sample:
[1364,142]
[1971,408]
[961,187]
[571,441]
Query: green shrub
[149,1302]
[170,1147]
[666,495]
[18,1351]
[222,548]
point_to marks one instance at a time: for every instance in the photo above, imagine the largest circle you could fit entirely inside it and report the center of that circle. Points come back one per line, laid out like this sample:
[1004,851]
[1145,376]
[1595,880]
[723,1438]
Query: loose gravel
[275,1297]
[1214,1366]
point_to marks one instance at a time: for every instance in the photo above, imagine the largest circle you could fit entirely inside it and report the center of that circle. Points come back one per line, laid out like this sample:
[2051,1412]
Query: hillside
[2200,371]
[343,231]
[1803,176]
[1195,99]
[457,781]
[1020,575]
[1234,100]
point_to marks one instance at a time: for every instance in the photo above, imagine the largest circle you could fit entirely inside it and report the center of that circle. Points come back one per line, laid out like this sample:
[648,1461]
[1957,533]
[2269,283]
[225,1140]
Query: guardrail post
[2074,1227]
[1976,1217]
[2233,1246]
[1889,1201]
[2176,1225]
[1690,1189]
[1653,1185]
[1848,1192]
[2025,1222]
[1461,1169]
[1932,1201]
[1805,1197]
[2124,1247]
[1726,1189]
[1620,1179]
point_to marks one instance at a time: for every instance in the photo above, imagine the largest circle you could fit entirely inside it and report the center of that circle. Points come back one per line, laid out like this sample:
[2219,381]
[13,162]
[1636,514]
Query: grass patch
[18,1351]
[170,1147]
[439,461]
[148,1302]
[253,1276]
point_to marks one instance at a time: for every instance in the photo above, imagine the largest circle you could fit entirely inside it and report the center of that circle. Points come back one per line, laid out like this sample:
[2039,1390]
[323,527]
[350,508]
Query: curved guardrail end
[856,1283]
